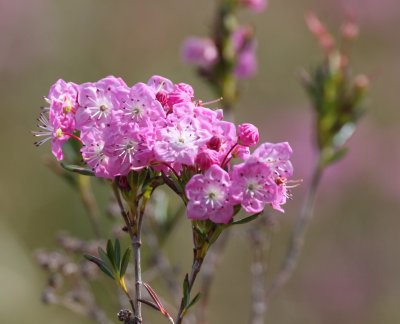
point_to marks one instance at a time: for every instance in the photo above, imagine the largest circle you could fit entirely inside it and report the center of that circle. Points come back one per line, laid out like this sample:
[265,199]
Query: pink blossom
[276,156]
[57,122]
[99,102]
[245,48]
[248,134]
[200,51]
[208,196]
[182,93]
[139,105]
[97,153]
[180,140]
[253,185]
[131,147]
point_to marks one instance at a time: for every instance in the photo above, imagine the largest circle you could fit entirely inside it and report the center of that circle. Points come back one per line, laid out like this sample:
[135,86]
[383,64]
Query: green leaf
[245,220]
[124,263]
[101,264]
[194,300]
[117,254]
[186,292]
[110,254]
[77,169]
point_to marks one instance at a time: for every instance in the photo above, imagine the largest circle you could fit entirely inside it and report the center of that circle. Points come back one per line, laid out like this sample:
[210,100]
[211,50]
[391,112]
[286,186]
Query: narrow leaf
[101,264]
[245,220]
[186,293]
[157,301]
[149,303]
[103,255]
[110,253]
[124,263]
[117,254]
[77,169]
[194,300]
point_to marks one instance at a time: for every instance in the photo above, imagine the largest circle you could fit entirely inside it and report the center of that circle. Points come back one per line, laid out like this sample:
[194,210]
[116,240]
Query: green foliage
[110,262]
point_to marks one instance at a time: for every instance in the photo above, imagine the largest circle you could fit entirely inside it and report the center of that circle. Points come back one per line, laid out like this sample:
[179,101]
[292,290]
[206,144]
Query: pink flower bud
[248,134]
[214,143]
[182,93]
[206,158]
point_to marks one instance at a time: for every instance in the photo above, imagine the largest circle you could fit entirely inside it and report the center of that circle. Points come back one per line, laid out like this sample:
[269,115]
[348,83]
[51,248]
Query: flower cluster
[159,125]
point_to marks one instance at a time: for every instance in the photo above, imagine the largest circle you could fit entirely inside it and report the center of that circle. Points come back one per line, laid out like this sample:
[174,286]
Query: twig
[260,241]
[196,266]
[214,256]
[135,241]
[297,238]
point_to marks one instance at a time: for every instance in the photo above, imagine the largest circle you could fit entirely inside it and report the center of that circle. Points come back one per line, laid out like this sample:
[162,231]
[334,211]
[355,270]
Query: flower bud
[214,143]
[248,134]
[206,158]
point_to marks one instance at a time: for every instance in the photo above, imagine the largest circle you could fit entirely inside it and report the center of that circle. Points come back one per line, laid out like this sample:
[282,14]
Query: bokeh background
[349,271]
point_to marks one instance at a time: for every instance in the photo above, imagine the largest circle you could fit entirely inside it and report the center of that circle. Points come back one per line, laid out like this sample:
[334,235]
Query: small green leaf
[194,300]
[110,253]
[124,263]
[77,169]
[101,264]
[117,254]
[103,255]
[186,292]
[245,220]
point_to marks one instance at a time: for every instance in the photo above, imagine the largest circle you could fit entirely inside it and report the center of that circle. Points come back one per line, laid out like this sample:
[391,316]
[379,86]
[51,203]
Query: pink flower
[255,5]
[99,102]
[200,51]
[131,146]
[96,152]
[253,185]
[248,134]
[245,47]
[180,140]
[182,93]
[139,105]
[276,156]
[208,196]
[57,122]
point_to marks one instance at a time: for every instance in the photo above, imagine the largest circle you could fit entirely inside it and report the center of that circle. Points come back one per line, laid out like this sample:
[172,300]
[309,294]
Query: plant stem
[207,276]
[297,238]
[136,245]
[133,226]
[196,266]
[260,244]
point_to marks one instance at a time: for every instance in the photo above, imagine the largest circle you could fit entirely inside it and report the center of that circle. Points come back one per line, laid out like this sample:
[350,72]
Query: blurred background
[349,271]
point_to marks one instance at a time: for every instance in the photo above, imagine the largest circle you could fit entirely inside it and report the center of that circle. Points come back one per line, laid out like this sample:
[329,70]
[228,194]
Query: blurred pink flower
[200,51]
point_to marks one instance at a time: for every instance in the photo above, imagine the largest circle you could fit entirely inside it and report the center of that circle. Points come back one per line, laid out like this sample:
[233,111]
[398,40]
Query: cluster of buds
[336,95]
[158,126]
[228,54]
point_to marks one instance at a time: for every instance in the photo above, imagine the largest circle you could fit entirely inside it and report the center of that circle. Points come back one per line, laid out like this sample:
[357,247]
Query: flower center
[59,132]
